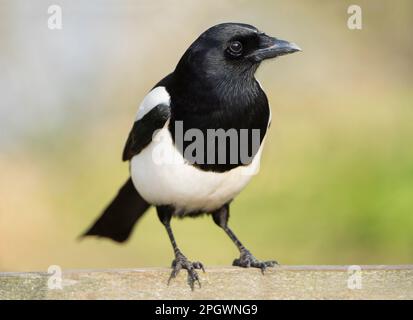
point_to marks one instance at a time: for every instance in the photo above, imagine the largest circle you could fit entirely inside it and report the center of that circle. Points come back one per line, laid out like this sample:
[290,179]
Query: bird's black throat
[234,105]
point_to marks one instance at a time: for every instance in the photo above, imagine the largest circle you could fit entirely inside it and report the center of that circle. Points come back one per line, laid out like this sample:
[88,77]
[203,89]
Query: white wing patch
[156,96]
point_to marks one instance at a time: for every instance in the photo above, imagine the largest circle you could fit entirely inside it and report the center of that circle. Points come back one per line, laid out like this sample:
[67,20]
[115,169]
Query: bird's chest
[220,139]
[163,177]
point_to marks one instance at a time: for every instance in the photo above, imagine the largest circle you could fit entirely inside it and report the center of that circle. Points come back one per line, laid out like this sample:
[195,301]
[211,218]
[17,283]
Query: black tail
[119,218]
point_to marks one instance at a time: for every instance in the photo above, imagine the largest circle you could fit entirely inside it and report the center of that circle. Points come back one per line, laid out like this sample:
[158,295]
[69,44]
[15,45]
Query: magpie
[213,87]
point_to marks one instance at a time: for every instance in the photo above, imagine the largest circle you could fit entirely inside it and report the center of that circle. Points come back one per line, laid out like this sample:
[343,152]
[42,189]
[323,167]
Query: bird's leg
[246,259]
[180,261]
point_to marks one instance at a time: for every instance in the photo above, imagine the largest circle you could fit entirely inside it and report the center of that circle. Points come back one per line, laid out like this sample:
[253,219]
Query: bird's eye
[235,48]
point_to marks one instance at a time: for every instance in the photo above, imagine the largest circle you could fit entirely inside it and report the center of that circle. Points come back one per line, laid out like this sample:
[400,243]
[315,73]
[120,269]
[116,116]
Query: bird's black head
[231,50]
[213,87]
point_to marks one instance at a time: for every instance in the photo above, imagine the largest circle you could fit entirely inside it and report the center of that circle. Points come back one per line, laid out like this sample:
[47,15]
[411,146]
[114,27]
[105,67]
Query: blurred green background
[336,181]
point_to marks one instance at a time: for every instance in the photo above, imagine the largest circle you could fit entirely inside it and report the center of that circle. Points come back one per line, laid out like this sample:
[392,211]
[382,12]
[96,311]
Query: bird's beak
[270,47]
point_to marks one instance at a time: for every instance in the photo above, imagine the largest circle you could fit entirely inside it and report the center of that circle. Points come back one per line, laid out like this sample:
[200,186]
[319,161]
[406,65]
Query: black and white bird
[212,88]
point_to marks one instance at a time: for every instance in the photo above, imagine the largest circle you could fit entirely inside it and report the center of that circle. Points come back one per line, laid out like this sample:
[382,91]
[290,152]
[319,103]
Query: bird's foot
[247,260]
[181,262]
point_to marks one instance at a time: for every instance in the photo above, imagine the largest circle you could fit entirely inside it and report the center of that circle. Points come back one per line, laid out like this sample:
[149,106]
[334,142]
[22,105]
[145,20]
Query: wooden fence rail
[285,282]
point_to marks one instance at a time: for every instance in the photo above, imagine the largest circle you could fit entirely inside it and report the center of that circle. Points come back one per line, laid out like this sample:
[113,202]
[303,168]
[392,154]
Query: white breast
[163,177]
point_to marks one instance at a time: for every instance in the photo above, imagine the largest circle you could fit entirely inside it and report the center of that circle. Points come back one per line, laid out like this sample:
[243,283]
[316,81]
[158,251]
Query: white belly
[162,177]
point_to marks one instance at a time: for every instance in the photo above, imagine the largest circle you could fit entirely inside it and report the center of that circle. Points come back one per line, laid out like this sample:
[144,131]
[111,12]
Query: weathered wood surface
[286,282]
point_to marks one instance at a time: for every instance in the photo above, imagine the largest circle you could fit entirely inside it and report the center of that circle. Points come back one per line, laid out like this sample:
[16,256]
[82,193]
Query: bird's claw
[247,260]
[181,262]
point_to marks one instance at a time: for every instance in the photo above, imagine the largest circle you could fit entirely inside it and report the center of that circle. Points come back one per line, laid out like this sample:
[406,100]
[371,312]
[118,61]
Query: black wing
[143,129]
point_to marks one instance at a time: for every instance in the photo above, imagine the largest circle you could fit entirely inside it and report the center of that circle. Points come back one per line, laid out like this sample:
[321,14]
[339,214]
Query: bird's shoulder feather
[153,112]
[143,129]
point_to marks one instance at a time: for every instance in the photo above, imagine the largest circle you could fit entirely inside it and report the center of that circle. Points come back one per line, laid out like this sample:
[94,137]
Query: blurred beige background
[336,182]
